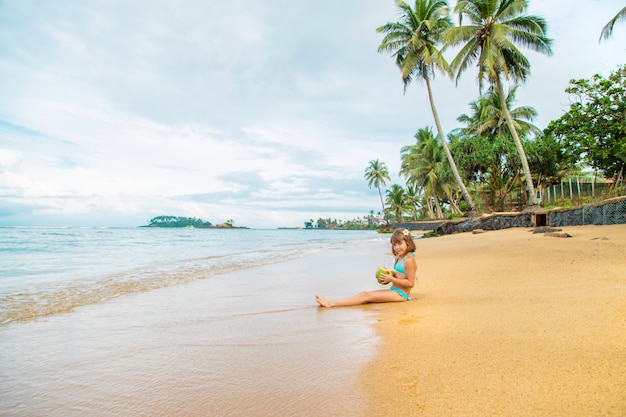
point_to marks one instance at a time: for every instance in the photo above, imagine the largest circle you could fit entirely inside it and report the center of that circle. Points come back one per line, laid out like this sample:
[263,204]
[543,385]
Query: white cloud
[265,112]
[9,159]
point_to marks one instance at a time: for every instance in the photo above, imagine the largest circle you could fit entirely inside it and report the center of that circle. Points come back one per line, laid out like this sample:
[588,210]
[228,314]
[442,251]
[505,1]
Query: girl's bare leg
[380,296]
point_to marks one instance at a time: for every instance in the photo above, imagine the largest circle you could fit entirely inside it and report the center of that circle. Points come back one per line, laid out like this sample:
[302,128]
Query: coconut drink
[382,271]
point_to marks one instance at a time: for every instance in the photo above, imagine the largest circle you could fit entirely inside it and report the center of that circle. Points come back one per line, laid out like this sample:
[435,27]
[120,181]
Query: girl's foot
[323,301]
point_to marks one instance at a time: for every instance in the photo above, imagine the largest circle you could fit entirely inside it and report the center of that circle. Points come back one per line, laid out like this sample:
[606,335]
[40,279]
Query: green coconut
[382,271]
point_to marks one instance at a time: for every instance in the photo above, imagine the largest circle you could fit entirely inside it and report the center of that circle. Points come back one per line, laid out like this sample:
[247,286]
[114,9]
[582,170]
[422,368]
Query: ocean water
[184,322]
[50,270]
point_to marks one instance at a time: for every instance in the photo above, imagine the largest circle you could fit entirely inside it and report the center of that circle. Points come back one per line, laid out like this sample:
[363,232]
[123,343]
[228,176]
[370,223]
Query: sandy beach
[507,323]
[504,323]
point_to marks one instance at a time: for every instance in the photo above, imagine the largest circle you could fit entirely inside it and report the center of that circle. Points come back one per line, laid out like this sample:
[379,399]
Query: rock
[557,234]
[546,229]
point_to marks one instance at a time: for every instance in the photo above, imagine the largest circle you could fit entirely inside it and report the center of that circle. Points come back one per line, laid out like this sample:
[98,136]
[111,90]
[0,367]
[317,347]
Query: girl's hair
[399,235]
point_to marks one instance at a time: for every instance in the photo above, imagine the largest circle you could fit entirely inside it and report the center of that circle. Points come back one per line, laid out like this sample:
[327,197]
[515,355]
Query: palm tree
[607,31]
[488,119]
[376,175]
[486,128]
[495,26]
[413,42]
[423,165]
[398,202]
[414,199]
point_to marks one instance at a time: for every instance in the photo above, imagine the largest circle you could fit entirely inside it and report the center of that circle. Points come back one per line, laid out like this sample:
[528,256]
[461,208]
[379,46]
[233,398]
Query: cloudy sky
[266,112]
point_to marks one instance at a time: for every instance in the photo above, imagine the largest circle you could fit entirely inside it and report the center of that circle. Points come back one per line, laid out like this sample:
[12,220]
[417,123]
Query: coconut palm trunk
[382,204]
[532,195]
[431,212]
[413,42]
[455,171]
[376,175]
[438,206]
[494,29]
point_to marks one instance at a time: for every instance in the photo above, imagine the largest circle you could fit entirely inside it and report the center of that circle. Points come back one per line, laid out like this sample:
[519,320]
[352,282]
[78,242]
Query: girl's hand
[386,278]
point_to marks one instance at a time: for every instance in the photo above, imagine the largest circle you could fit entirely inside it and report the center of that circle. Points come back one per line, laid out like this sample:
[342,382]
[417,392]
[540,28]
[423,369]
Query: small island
[191,222]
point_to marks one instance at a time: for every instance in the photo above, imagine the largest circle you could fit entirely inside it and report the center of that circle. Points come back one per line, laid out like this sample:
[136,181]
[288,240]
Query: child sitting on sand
[403,277]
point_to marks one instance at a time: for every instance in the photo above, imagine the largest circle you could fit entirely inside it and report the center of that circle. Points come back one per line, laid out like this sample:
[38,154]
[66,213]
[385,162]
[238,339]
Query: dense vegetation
[593,131]
[175,221]
[498,160]
[368,222]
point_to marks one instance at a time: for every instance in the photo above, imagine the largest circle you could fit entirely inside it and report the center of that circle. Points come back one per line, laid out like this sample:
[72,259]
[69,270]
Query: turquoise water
[194,322]
[45,271]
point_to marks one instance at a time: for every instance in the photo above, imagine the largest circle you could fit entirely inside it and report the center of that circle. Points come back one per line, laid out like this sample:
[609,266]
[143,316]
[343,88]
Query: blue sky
[264,112]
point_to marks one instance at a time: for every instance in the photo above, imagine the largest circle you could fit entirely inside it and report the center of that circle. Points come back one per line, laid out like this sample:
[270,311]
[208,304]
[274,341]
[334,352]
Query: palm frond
[607,30]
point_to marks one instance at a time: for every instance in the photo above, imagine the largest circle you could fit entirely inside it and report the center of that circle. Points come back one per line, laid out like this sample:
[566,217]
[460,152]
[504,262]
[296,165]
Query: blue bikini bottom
[402,293]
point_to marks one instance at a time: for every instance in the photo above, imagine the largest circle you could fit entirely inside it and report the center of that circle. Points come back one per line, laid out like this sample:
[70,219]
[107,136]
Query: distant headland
[190,222]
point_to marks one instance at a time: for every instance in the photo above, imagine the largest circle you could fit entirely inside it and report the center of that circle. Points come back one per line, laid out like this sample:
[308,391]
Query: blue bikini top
[400,266]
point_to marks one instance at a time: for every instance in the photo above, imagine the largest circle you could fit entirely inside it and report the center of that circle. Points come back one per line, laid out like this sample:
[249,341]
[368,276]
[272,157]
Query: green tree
[499,160]
[594,128]
[377,175]
[495,26]
[487,117]
[493,161]
[549,161]
[177,221]
[370,217]
[423,165]
[397,202]
[607,30]
[414,199]
[413,41]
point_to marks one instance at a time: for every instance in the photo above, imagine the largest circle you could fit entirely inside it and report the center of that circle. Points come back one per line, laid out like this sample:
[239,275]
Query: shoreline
[249,341]
[507,323]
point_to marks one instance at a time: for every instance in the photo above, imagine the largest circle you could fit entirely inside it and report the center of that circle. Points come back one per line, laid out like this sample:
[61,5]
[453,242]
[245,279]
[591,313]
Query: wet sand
[246,343]
[507,323]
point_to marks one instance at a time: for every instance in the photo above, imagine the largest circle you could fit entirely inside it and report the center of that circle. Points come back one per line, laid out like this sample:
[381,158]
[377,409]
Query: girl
[403,278]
